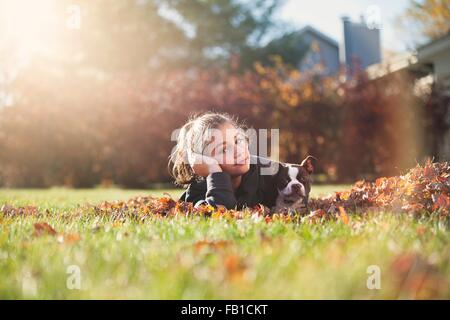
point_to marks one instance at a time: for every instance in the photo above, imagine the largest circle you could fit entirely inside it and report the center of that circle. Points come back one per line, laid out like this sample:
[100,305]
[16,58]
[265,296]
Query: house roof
[417,62]
[394,64]
[427,51]
[319,34]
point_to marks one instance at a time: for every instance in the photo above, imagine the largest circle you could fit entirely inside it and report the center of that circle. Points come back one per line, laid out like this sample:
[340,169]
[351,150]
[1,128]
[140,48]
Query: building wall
[442,66]
[442,74]
[362,44]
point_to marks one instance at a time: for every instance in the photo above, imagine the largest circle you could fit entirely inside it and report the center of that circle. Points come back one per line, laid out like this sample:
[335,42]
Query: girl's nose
[239,154]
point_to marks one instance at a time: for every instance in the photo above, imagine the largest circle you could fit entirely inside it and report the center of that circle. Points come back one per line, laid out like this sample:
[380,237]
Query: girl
[212,159]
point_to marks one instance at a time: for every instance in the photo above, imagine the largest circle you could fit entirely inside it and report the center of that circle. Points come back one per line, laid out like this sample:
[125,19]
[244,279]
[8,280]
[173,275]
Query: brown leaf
[315,216]
[416,278]
[43,228]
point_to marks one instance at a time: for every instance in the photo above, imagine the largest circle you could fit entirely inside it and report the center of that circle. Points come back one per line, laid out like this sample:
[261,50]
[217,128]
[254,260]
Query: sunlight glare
[28,26]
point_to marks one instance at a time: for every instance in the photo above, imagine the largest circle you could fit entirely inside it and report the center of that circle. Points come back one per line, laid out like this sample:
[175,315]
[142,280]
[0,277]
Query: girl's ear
[309,163]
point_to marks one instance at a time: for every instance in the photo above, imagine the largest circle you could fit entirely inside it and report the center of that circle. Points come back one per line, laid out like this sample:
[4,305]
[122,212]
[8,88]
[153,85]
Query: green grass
[68,199]
[165,258]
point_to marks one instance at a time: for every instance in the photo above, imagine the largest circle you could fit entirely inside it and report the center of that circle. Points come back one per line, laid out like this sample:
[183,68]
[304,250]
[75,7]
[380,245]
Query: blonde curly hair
[191,139]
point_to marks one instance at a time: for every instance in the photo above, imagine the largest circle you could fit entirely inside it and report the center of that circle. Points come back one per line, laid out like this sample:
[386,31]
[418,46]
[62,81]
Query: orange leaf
[68,238]
[214,245]
[234,266]
[343,215]
[380,181]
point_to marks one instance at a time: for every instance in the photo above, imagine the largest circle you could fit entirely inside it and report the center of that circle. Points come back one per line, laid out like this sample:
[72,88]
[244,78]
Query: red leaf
[441,202]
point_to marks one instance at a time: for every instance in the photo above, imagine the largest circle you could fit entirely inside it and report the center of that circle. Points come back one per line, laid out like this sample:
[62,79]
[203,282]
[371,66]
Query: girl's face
[229,147]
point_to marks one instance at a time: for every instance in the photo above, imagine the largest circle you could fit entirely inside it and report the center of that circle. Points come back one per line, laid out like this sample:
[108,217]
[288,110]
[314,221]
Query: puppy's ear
[309,163]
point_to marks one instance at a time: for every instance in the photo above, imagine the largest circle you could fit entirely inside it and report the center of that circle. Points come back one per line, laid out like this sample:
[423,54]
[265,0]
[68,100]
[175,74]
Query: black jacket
[216,188]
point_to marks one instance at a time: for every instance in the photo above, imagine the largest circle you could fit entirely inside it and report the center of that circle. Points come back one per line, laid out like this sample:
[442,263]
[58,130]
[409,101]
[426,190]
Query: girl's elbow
[227,203]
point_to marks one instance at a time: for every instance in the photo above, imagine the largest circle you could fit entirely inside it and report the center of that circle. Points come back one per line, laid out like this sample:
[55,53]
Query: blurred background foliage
[98,104]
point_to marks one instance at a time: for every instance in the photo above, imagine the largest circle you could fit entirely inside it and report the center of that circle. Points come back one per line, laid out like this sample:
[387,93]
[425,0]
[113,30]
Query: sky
[325,15]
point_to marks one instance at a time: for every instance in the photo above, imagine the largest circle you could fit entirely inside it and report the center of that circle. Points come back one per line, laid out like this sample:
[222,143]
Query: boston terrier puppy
[293,183]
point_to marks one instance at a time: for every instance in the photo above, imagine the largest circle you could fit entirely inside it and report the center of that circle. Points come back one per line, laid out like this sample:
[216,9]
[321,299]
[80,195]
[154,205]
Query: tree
[128,34]
[224,28]
[431,17]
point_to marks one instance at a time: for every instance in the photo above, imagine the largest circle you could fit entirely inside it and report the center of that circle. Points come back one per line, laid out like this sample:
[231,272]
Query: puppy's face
[293,182]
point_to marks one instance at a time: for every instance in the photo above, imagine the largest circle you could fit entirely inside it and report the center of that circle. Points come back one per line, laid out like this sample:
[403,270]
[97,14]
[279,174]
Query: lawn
[94,256]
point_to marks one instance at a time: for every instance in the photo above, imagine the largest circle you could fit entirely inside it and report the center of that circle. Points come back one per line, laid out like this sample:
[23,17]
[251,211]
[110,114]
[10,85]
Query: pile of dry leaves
[424,189]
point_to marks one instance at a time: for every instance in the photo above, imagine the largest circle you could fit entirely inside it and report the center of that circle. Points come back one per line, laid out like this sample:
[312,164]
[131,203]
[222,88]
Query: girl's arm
[219,190]
[215,190]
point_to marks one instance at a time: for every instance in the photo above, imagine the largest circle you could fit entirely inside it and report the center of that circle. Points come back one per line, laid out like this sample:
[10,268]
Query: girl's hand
[203,165]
